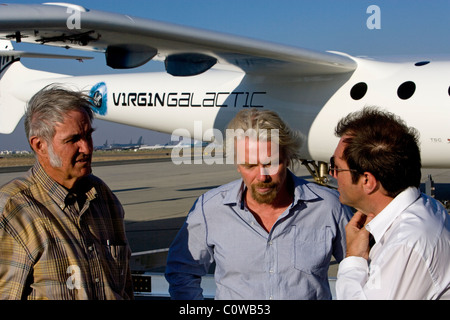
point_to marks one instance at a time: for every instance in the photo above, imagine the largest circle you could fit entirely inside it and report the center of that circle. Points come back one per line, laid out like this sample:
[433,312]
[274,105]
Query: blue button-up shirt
[289,262]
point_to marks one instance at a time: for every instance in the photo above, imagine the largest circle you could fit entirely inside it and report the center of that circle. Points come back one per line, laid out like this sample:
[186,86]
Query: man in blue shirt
[270,234]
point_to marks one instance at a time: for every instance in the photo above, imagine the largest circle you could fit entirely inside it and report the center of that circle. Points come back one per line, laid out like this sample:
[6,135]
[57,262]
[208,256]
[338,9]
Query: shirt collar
[301,191]
[56,191]
[381,223]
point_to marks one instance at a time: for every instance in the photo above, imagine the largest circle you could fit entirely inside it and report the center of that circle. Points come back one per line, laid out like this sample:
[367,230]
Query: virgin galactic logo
[99,95]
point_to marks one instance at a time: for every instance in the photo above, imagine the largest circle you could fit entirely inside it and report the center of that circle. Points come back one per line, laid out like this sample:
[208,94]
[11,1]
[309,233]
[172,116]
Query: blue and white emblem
[99,95]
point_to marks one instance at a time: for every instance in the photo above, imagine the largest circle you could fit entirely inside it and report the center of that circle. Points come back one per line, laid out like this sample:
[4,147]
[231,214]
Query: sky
[414,27]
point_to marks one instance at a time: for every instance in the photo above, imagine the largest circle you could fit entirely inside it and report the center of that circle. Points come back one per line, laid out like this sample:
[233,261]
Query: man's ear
[39,145]
[370,183]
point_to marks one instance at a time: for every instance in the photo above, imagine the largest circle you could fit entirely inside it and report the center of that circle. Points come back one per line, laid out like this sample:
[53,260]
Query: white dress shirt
[411,256]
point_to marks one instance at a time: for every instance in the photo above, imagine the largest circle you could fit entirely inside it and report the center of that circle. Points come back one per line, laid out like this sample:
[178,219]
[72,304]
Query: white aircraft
[210,76]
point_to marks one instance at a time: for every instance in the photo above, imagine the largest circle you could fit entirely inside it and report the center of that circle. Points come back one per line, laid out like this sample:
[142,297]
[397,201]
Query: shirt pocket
[312,250]
[117,257]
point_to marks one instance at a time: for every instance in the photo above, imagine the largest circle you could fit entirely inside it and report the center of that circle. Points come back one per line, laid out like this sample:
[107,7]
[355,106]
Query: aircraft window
[358,91]
[421,63]
[406,90]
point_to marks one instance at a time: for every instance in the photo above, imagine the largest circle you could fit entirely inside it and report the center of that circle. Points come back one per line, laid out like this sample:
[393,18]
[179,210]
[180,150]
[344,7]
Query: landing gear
[319,171]
[429,187]
[430,190]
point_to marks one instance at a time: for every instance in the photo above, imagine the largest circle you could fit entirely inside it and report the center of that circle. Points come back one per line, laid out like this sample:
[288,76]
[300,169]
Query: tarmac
[157,195]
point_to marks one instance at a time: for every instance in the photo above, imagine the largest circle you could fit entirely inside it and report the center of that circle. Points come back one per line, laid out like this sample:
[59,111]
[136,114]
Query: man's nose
[263,174]
[85,146]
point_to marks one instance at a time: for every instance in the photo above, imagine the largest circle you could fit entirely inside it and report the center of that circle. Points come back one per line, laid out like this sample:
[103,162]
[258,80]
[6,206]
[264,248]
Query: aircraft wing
[129,42]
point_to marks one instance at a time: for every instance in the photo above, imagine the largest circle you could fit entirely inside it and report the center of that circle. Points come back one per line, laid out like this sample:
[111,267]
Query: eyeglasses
[333,171]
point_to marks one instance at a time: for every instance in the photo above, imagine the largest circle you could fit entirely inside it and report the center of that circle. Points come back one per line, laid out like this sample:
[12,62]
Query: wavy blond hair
[263,122]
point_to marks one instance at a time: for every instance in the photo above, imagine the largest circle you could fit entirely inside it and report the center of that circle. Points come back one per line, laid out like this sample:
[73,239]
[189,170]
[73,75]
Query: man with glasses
[378,170]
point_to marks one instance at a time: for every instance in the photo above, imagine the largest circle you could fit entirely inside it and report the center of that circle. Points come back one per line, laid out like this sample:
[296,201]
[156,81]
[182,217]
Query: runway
[157,196]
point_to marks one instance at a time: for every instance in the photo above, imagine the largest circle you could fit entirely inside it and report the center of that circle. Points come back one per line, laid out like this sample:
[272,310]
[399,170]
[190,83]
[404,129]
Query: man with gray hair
[270,233]
[61,228]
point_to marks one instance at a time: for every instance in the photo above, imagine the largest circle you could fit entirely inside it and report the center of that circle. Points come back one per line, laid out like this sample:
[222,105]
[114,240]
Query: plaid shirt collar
[62,196]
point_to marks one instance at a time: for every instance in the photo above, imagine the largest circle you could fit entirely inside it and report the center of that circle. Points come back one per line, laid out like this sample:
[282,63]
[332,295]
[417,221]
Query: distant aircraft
[154,147]
[118,146]
[184,143]
[210,76]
